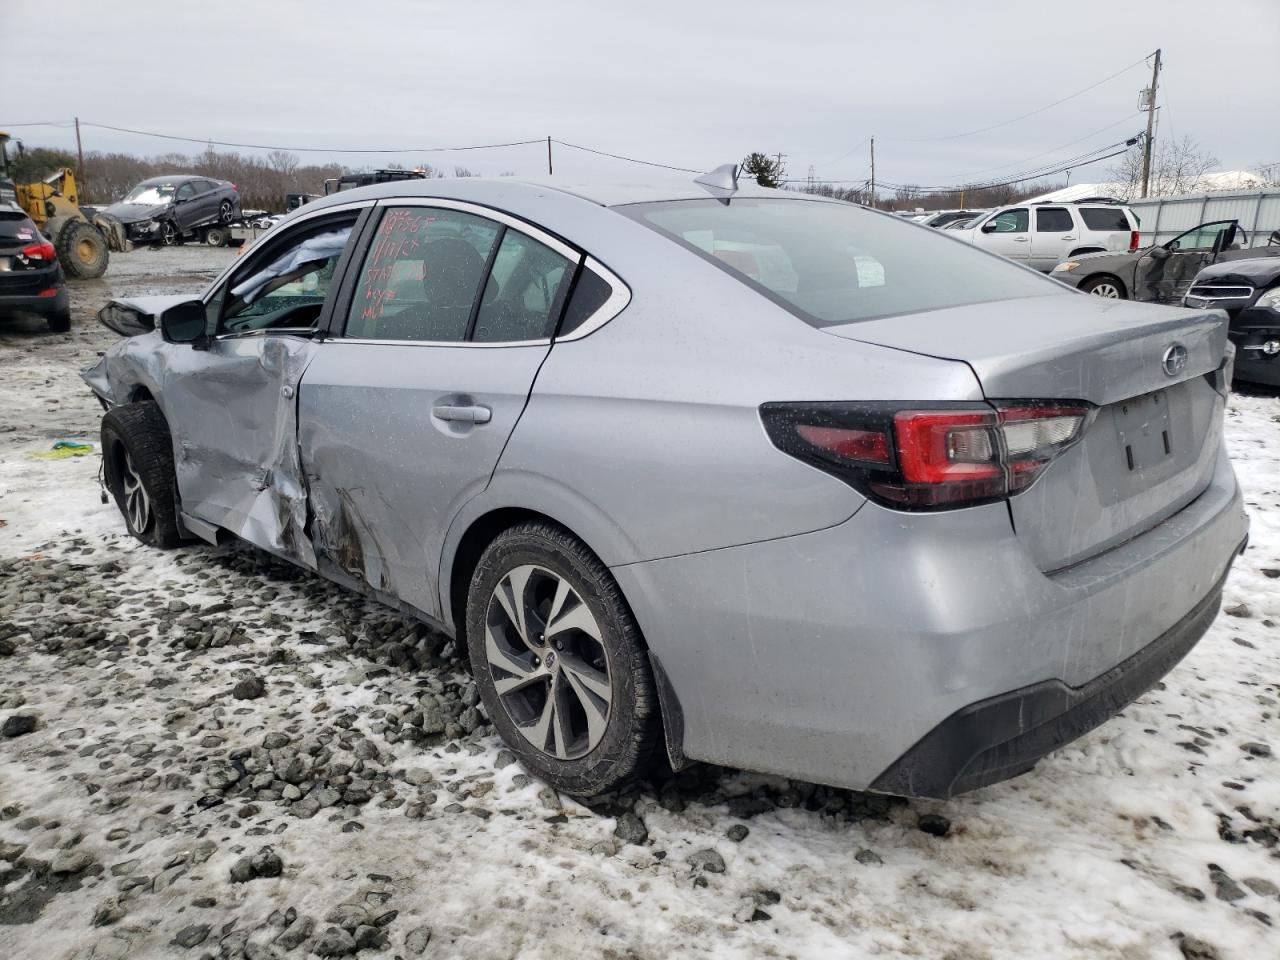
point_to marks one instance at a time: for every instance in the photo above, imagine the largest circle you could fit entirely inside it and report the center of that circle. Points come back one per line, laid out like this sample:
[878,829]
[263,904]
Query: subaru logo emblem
[1175,359]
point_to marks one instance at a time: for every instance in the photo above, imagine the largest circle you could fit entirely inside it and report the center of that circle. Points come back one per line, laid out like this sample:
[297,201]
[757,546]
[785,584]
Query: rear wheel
[138,463]
[216,237]
[224,212]
[82,250]
[1105,286]
[559,661]
[59,322]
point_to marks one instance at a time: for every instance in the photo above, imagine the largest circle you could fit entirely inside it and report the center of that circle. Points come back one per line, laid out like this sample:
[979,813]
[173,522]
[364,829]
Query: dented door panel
[232,410]
[391,451]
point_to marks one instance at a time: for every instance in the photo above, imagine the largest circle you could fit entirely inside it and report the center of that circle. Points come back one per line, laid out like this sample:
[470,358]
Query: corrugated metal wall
[1163,218]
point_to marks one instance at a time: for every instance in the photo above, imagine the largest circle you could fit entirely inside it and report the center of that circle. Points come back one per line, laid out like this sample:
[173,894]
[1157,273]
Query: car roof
[605,193]
[176,178]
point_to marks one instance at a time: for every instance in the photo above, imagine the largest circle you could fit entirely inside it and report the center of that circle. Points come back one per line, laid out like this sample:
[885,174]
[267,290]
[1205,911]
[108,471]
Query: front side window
[1053,220]
[186,191]
[831,263]
[1010,221]
[523,293]
[286,286]
[422,274]
[1202,238]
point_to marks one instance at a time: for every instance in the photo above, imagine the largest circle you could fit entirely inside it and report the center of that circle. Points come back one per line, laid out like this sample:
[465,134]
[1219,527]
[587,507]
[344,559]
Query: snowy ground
[398,826]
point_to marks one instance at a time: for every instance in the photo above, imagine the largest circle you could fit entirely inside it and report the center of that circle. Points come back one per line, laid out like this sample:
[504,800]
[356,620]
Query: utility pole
[1151,119]
[79,165]
[873,172]
[549,156]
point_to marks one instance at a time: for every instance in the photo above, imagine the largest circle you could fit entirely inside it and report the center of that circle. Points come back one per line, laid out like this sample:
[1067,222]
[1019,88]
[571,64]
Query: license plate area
[1144,430]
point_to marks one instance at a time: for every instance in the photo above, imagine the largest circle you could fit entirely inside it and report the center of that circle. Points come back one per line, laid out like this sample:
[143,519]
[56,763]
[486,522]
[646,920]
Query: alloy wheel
[1107,290]
[137,505]
[169,233]
[547,658]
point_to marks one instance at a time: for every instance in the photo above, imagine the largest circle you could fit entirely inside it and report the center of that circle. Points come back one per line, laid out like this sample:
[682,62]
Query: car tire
[215,237]
[1105,286]
[170,235]
[225,212]
[59,322]
[82,250]
[137,456]
[585,718]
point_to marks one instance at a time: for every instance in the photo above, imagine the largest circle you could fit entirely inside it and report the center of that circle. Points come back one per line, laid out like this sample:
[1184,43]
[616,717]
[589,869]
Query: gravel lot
[207,753]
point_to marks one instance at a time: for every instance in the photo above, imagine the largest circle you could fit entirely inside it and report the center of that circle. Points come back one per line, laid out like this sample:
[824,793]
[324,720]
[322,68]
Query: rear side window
[1053,220]
[523,293]
[1105,218]
[421,277]
[589,294]
[831,263]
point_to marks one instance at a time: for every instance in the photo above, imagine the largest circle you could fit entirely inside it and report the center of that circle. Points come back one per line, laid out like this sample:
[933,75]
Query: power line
[40,123]
[1009,182]
[1023,116]
[1036,156]
[616,156]
[264,146]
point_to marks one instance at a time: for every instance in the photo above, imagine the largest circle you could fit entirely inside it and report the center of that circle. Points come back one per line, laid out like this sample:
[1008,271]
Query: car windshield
[831,263]
[150,193]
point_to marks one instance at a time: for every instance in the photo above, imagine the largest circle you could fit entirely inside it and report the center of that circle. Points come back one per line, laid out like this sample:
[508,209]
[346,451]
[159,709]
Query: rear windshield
[16,226]
[1105,218]
[831,263]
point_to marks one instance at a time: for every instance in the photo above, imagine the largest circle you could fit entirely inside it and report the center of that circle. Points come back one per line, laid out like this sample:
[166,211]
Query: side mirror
[989,227]
[181,199]
[184,322]
[1160,253]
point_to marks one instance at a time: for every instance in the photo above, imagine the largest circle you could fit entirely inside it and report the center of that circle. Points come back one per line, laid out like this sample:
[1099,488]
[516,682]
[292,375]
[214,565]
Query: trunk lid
[1151,447]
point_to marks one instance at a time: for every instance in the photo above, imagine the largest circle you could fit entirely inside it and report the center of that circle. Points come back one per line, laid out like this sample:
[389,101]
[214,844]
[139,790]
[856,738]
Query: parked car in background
[1159,274]
[962,224]
[876,526]
[1040,235]
[1249,290]
[31,279]
[166,210]
[944,218]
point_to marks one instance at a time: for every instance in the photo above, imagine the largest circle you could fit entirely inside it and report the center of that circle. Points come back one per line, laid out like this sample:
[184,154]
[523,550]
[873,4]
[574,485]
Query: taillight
[39,251]
[914,457]
[1135,238]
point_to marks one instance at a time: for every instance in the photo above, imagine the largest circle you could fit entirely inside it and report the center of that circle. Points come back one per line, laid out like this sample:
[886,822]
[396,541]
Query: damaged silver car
[703,469]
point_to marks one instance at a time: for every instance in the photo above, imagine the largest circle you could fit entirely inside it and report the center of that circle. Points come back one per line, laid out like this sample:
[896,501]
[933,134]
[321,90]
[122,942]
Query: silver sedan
[701,469]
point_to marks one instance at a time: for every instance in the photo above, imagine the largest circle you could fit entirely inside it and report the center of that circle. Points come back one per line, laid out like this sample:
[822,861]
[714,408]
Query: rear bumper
[1005,735]
[26,303]
[834,656]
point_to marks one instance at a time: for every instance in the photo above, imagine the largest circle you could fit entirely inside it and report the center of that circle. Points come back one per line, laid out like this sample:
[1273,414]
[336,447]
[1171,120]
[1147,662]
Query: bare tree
[282,161]
[1177,166]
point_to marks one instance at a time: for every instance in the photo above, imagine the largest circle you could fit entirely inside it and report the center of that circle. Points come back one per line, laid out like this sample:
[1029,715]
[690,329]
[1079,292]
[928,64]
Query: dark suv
[31,278]
[1249,290]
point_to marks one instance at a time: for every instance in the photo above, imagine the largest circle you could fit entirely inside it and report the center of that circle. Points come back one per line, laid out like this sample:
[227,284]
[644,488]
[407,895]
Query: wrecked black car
[1249,290]
[165,210]
[1159,274]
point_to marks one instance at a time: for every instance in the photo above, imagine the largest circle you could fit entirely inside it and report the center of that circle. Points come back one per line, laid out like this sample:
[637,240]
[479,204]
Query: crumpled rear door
[232,410]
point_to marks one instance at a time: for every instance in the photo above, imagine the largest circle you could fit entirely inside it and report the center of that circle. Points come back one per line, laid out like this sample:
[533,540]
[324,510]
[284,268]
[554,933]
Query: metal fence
[1163,218]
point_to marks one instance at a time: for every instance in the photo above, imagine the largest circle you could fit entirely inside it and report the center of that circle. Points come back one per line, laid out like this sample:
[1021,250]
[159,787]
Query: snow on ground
[134,818]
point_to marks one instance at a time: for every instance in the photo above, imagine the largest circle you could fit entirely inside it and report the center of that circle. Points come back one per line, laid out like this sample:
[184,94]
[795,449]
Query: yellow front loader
[54,205]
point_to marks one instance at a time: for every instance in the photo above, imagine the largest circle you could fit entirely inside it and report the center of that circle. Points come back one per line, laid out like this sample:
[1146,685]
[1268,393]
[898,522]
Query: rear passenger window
[524,291]
[422,274]
[589,294]
[1104,218]
[1053,220]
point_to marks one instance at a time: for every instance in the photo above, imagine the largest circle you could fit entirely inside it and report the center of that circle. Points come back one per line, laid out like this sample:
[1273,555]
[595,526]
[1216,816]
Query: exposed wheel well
[1082,250]
[140,394]
[479,535]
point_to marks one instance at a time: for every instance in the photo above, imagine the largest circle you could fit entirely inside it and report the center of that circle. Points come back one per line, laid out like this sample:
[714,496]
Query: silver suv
[1042,234]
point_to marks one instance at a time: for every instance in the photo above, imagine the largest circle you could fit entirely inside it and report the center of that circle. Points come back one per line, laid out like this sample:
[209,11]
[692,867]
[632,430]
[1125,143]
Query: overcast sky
[686,83]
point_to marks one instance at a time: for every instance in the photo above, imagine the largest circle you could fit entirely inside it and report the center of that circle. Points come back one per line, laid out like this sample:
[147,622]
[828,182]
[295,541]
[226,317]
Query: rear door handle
[460,414]
[1066,238]
[1021,239]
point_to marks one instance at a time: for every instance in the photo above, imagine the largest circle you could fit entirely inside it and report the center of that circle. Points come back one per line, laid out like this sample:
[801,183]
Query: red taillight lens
[39,251]
[928,459]
[1135,238]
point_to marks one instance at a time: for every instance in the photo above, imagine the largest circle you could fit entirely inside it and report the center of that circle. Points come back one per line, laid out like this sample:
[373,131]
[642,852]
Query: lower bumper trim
[1005,735]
